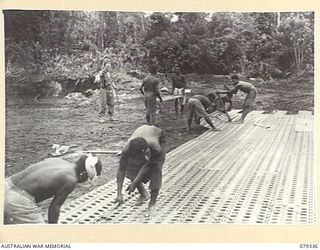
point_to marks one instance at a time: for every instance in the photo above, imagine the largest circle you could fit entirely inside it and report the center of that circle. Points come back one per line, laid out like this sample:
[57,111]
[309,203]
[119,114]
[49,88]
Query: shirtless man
[199,106]
[178,90]
[51,178]
[141,161]
[251,91]
[150,90]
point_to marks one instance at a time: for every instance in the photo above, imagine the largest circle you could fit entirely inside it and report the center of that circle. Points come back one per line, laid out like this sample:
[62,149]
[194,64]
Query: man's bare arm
[121,174]
[59,199]
[223,92]
[142,172]
[141,88]
[234,90]
[184,86]
[158,92]
[173,84]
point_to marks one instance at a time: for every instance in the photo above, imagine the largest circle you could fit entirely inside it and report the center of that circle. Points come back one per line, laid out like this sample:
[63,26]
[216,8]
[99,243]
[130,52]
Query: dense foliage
[76,44]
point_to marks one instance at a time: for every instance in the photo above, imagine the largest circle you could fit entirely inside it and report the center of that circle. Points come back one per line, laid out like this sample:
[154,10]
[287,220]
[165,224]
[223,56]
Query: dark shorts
[150,103]
[195,106]
[250,99]
[154,175]
[133,168]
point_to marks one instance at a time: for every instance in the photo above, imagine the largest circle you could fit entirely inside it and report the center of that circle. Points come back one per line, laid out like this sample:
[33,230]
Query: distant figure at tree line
[150,91]
[251,91]
[51,178]
[179,91]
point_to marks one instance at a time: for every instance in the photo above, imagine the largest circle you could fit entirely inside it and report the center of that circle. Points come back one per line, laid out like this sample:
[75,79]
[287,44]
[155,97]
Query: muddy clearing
[32,128]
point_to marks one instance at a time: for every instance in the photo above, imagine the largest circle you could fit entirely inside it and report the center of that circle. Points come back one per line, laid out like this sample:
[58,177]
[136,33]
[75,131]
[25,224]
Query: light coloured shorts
[20,207]
[250,100]
[178,93]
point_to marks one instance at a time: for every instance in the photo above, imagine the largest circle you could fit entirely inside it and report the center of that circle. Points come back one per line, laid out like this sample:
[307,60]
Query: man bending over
[51,178]
[141,161]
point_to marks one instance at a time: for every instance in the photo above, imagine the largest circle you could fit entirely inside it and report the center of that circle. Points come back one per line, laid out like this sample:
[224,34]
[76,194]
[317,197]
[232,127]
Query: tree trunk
[100,31]
[278,19]
[295,53]
[142,25]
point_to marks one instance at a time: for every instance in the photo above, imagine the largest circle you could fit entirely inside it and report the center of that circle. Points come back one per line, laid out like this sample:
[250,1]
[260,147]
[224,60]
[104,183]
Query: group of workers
[199,106]
[141,159]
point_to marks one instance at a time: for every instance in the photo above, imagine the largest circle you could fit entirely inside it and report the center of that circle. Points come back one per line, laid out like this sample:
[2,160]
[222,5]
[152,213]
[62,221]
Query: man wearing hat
[107,91]
[51,178]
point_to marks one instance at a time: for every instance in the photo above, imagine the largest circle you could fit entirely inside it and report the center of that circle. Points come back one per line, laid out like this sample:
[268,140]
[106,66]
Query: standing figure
[141,161]
[251,91]
[107,92]
[51,178]
[178,90]
[150,91]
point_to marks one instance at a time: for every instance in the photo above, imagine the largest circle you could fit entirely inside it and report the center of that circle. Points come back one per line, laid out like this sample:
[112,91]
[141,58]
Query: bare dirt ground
[32,128]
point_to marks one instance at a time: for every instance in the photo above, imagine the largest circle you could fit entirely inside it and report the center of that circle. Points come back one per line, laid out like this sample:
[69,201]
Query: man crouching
[51,178]
[141,161]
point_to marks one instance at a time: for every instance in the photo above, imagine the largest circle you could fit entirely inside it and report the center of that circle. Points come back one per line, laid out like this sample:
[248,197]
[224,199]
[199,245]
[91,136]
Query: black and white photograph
[146,117]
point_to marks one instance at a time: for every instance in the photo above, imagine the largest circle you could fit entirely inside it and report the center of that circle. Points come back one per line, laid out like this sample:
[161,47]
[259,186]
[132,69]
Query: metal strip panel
[244,174]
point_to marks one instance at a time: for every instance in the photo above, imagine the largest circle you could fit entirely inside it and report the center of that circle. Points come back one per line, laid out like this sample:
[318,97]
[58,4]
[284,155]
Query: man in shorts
[199,106]
[141,161]
[251,92]
[178,90]
[51,178]
[150,91]
[107,92]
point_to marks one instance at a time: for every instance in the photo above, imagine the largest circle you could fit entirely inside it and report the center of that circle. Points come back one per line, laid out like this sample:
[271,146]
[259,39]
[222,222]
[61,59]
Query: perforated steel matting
[259,172]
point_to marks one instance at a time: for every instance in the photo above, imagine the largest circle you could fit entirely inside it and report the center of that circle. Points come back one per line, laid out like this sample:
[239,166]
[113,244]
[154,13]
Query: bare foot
[112,119]
[215,129]
[151,212]
[239,122]
[142,199]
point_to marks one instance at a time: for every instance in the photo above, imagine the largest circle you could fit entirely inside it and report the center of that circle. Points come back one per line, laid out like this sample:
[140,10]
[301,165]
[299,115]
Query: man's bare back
[150,84]
[244,86]
[51,178]
[151,135]
[251,92]
[147,143]
[44,179]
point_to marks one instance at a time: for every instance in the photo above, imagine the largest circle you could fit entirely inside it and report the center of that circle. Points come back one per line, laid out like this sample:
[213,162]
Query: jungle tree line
[254,44]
